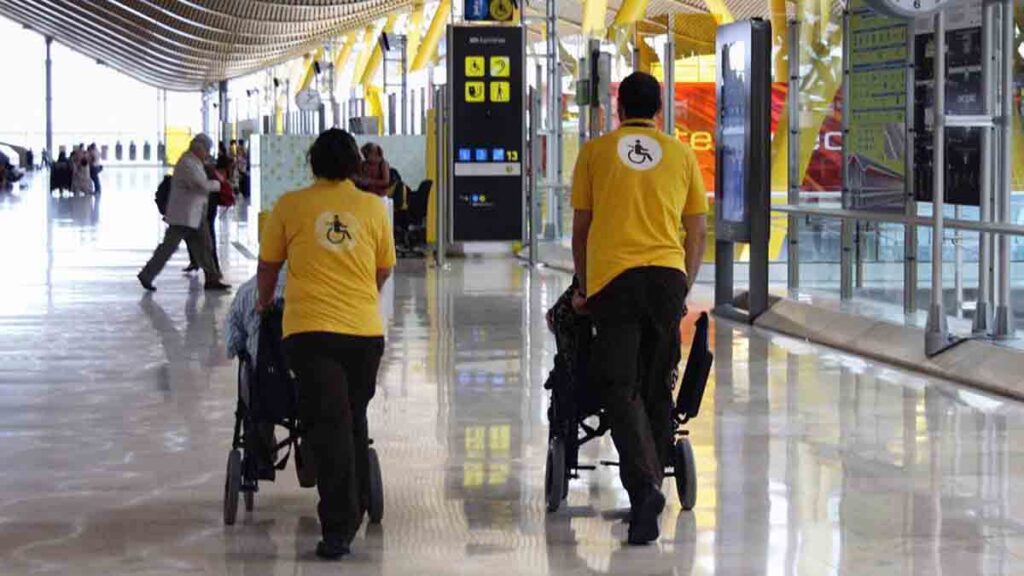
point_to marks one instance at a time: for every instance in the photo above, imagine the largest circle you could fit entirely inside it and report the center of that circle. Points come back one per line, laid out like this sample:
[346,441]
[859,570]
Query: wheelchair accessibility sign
[337,232]
[639,151]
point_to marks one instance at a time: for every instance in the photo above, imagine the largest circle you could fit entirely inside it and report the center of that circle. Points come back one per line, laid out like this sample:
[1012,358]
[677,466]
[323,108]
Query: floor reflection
[116,410]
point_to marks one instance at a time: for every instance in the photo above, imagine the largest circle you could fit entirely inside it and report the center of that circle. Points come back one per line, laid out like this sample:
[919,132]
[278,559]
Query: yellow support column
[310,73]
[719,11]
[343,55]
[369,41]
[377,57]
[414,32]
[594,14]
[433,36]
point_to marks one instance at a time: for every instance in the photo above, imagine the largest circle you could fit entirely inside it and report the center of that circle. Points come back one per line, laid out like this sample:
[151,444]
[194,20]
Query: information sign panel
[485,68]
[744,100]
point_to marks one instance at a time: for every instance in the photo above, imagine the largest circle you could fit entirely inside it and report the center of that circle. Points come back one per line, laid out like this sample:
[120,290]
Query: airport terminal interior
[865,382]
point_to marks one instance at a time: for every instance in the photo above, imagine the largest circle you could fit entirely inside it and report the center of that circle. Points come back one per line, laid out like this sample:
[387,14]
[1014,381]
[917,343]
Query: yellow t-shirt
[638,182]
[335,238]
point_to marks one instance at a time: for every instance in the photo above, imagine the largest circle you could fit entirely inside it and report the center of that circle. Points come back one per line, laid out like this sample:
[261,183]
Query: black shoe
[332,548]
[216,285]
[643,524]
[190,269]
[147,285]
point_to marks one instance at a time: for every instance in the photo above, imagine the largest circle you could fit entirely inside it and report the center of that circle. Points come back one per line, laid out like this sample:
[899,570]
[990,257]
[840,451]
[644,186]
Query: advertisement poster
[963,96]
[878,110]
[695,125]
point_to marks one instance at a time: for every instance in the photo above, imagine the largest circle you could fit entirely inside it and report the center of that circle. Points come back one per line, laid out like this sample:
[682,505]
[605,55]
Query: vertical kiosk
[743,164]
[486,149]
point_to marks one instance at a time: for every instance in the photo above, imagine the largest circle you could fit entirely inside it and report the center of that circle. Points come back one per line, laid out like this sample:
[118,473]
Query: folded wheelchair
[267,399]
[575,416]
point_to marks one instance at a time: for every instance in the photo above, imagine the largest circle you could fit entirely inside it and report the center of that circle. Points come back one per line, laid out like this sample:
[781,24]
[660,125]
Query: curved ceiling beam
[186,44]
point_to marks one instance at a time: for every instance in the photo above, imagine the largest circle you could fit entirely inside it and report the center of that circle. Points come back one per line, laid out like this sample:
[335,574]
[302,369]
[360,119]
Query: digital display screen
[733,123]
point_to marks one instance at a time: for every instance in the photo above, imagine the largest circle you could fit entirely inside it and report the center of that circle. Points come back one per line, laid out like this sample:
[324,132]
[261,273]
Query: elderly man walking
[186,212]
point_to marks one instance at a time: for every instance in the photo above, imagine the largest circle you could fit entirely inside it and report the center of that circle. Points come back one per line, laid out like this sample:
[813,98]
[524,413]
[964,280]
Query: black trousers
[637,317]
[337,376]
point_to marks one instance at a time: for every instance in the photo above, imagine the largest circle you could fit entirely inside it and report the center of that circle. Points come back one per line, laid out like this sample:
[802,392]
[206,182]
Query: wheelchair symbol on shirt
[638,154]
[337,232]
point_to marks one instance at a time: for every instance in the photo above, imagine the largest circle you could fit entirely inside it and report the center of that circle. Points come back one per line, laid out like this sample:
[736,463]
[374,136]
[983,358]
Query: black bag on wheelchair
[695,375]
[273,397]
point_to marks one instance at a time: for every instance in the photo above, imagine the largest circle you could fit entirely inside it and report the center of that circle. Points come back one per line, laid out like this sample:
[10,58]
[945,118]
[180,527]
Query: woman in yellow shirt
[340,251]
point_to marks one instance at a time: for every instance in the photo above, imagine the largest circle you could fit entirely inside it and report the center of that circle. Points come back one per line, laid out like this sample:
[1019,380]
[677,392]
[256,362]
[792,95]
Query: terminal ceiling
[186,44]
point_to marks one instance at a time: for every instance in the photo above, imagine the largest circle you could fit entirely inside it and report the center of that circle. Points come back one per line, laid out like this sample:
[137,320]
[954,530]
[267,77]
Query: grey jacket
[190,189]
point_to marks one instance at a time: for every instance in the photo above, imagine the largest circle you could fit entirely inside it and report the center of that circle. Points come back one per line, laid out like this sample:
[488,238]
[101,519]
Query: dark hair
[370,148]
[224,162]
[639,96]
[334,155]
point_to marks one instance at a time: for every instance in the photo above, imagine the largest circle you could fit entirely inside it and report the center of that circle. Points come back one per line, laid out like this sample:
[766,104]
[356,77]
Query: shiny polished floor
[116,410]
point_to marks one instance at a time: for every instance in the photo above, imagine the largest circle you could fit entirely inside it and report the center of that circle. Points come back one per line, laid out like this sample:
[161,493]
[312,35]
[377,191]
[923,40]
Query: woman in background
[374,171]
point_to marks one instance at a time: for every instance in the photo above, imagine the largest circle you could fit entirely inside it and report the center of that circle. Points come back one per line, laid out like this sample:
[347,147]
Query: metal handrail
[897,218]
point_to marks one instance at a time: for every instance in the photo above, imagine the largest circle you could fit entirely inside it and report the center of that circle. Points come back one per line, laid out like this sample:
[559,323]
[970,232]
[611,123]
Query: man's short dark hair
[334,155]
[640,96]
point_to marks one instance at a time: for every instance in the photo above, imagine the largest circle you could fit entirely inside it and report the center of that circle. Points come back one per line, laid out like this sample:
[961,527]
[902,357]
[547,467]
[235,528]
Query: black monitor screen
[733,125]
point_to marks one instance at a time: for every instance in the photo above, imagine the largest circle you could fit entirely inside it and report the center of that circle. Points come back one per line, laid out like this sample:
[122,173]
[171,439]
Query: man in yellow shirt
[631,190]
[340,251]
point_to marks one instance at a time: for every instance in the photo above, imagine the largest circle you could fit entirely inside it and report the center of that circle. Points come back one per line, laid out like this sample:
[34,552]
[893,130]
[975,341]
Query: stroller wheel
[554,477]
[376,504]
[232,484]
[249,496]
[686,474]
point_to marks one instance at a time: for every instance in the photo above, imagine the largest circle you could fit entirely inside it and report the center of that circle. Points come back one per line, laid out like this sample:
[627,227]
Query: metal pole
[910,236]
[288,106]
[1004,314]
[206,111]
[846,227]
[983,309]
[554,115]
[49,101]
[958,263]
[583,119]
[668,106]
[793,196]
[443,183]
[535,105]
[405,89]
[937,332]
[225,120]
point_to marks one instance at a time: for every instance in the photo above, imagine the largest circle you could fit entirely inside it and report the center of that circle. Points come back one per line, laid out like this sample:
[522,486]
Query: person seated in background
[81,179]
[374,171]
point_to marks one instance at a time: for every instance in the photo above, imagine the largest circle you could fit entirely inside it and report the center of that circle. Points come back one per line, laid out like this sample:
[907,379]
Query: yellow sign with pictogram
[475,66]
[475,92]
[500,67]
[500,92]
[502,10]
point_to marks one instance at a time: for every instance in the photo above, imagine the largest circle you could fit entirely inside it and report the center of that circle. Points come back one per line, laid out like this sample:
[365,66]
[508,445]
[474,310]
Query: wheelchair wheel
[232,484]
[686,474]
[555,475]
[376,506]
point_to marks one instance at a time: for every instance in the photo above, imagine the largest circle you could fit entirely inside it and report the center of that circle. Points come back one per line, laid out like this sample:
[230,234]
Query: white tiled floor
[116,411]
